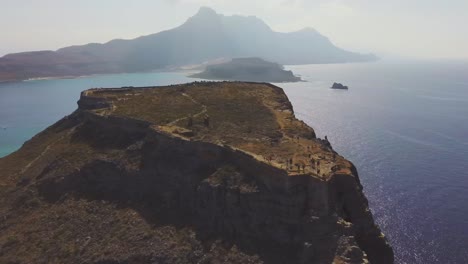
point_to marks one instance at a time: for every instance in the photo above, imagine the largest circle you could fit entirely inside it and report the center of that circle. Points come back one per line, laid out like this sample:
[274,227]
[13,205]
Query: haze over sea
[404,125]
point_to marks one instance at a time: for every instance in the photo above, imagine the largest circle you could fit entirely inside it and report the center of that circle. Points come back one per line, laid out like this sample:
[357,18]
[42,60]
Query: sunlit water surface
[404,125]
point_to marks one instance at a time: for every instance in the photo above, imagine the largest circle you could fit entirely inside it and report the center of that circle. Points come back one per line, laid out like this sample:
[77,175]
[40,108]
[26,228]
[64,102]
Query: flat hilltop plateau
[256,119]
[206,172]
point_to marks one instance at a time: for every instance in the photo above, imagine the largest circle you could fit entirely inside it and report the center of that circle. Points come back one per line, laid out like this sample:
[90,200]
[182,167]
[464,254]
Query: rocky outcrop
[339,86]
[161,197]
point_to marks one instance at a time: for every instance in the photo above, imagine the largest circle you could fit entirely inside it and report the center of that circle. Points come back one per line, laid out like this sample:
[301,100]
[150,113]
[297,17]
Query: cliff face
[218,173]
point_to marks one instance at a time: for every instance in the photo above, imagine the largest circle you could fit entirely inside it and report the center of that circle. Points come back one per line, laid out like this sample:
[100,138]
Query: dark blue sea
[403,124]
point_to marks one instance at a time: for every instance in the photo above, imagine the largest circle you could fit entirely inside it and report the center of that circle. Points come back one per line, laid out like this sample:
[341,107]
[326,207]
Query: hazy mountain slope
[205,36]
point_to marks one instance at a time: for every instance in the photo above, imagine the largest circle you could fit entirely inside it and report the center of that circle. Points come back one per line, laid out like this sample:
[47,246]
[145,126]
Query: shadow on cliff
[160,203]
[168,185]
[219,193]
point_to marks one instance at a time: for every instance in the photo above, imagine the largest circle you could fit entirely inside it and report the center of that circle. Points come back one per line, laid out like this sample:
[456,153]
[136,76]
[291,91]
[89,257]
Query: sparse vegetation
[102,186]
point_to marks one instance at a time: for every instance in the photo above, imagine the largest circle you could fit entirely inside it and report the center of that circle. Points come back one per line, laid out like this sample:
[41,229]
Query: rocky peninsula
[207,172]
[248,69]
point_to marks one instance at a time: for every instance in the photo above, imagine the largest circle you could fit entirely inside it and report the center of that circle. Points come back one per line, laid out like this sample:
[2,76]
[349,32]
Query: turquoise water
[27,108]
[404,125]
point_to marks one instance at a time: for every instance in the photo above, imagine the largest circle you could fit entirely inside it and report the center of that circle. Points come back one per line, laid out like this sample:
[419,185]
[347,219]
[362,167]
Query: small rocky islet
[339,86]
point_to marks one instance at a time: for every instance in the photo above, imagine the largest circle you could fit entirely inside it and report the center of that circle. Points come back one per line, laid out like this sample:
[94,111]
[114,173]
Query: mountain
[225,173]
[247,69]
[203,37]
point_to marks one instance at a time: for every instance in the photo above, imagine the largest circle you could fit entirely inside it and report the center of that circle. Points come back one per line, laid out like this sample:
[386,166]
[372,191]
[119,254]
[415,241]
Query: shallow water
[404,125]
[27,108]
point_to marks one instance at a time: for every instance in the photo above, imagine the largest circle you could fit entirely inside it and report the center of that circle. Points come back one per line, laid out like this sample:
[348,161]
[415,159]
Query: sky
[431,29]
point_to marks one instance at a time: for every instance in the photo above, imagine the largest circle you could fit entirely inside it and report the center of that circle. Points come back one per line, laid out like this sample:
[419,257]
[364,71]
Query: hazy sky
[415,28]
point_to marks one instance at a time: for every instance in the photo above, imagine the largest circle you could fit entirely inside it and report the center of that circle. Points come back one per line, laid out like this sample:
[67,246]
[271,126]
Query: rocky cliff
[197,173]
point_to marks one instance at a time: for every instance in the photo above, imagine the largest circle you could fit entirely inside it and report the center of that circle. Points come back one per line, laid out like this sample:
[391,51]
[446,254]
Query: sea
[404,124]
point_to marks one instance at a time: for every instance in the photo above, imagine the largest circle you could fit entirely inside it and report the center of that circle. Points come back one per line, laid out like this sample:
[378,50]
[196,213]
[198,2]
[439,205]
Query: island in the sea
[339,86]
[225,173]
[248,69]
[206,36]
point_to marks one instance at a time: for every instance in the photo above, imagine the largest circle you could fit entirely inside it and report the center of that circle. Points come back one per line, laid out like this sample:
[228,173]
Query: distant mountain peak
[205,36]
[204,17]
[206,11]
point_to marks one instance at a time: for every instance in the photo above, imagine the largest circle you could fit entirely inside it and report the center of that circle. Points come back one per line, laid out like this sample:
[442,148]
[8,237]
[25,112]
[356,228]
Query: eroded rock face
[102,187]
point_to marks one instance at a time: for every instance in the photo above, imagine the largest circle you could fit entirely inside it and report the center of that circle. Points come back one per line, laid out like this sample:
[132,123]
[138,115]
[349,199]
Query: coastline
[186,72]
[344,117]
[185,69]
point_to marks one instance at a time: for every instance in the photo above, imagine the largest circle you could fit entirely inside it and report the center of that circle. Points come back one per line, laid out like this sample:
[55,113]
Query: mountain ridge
[203,37]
